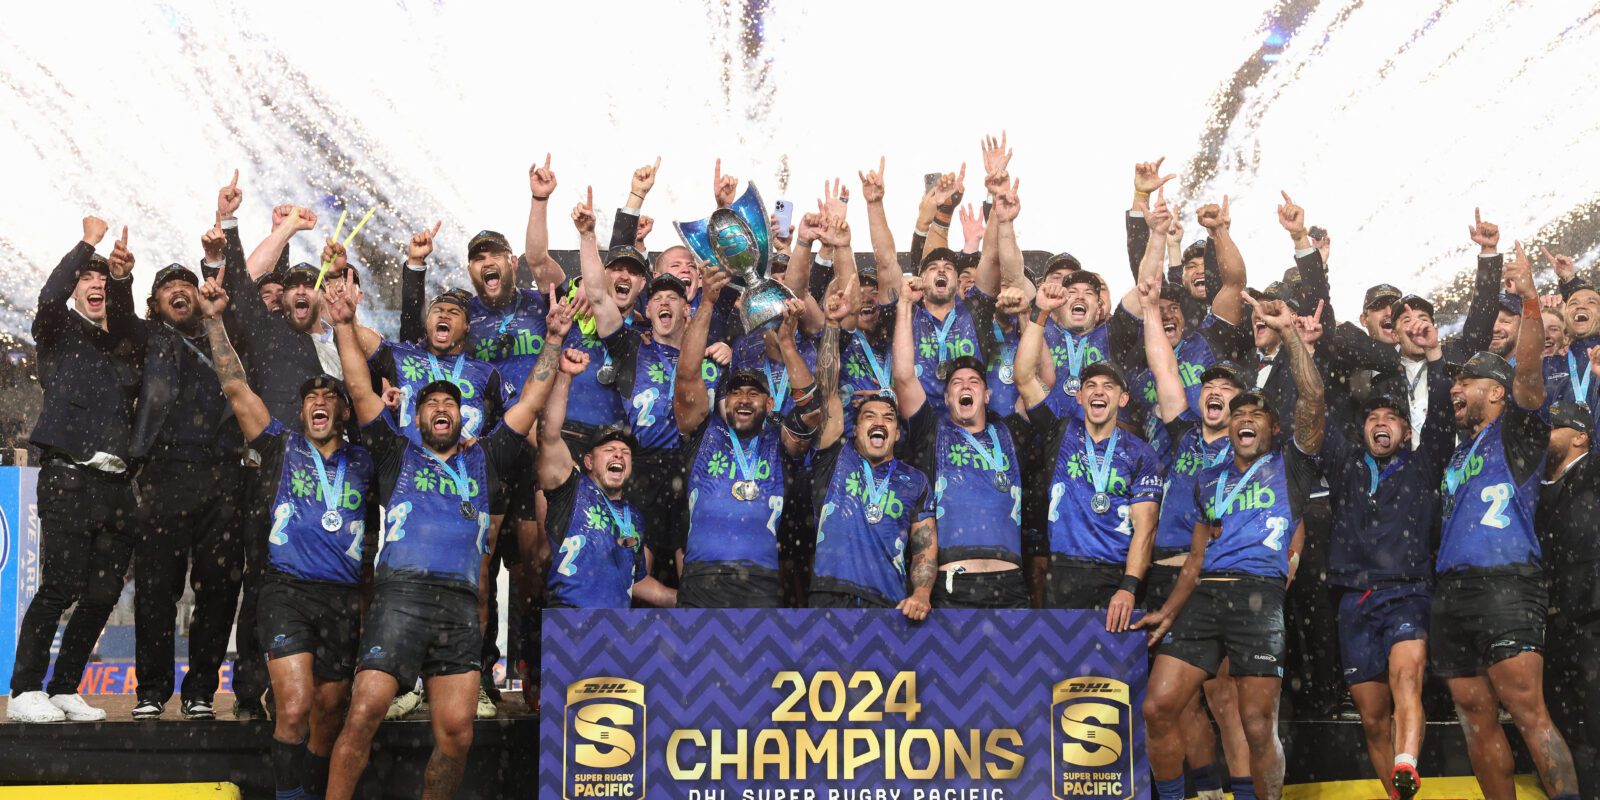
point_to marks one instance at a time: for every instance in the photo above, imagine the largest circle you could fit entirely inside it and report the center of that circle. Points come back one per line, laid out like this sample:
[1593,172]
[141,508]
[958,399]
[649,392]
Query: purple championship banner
[840,705]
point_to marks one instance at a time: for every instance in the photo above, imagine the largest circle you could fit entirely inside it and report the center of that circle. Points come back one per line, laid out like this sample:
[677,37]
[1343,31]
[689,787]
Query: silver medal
[467,511]
[1100,503]
[874,514]
[331,521]
[1071,386]
[607,375]
[745,490]
[1007,374]
[1002,482]
[943,371]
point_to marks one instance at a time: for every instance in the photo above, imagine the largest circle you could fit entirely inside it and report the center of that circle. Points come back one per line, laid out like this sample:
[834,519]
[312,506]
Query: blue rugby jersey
[1075,530]
[1568,378]
[1260,520]
[409,368]
[722,528]
[1212,341]
[297,543]
[426,537]
[1488,520]
[1186,454]
[1091,347]
[596,558]
[1384,514]
[750,352]
[510,338]
[976,518]
[865,363]
[936,341]
[854,556]
[645,371]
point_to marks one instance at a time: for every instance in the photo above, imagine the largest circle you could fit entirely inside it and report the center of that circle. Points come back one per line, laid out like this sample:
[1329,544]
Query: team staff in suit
[86,504]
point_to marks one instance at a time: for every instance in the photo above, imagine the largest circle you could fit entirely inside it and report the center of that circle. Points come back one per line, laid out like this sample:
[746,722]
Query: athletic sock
[1206,783]
[288,769]
[1407,759]
[316,780]
[1169,790]
[1243,788]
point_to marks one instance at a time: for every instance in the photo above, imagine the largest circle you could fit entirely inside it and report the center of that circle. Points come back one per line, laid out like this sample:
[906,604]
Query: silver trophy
[735,239]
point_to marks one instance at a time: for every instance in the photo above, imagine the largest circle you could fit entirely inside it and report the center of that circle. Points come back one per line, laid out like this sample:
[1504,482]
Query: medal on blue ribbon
[999,476]
[455,372]
[627,536]
[1100,470]
[875,491]
[331,492]
[460,480]
[1223,501]
[1076,348]
[880,369]
[1456,474]
[745,488]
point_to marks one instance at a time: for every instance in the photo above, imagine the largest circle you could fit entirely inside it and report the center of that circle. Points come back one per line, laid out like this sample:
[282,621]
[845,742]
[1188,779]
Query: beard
[441,442]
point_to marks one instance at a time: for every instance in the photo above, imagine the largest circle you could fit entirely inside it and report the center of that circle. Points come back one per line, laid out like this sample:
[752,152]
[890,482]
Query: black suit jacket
[277,357]
[90,376]
[158,392]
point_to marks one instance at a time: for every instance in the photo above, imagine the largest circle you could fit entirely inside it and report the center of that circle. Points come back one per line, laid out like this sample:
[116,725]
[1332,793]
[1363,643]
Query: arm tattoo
[924,553]
[225,360]
[1309,408]
[546,363]
[827,368]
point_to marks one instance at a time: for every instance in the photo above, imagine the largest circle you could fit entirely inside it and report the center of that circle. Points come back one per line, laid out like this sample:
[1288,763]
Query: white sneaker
[486,709]
[404,704]
[33,707]
[76,709]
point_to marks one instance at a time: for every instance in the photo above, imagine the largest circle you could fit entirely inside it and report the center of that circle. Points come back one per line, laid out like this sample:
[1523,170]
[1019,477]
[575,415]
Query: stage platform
[503,762]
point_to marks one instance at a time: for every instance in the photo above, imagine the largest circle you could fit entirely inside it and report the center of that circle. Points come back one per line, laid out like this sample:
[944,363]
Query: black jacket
[90,376]
[277,357]
[163,349]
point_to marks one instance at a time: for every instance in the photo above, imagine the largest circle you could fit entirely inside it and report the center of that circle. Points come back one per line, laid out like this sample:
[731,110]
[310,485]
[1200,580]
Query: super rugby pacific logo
[604,737]
[1091,739]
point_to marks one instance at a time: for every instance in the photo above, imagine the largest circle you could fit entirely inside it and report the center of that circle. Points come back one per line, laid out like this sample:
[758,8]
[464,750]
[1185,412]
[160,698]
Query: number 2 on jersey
[1498,496]
[1278,530]
[570,547]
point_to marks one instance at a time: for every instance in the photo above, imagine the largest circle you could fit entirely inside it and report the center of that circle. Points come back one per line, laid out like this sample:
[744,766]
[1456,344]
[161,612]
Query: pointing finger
[657,167]
[235,183]
[436,227]
[590,203]
[546,160]
[718,175]
[1547,254]
[1477,216]
[881,162]
[1286,199]
[124,240]
[1157,168]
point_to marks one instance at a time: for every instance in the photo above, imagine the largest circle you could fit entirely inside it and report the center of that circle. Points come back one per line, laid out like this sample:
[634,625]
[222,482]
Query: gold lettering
[956,751]
[680,773]
[816,752]
[778,758]
[735,759]
[854,758]
[928,738]
[992,746]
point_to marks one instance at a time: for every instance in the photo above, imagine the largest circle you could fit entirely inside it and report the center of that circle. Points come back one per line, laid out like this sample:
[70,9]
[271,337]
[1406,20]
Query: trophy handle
[754,214]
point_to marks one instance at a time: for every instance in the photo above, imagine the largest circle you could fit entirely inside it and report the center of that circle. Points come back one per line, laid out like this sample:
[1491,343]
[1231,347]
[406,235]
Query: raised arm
[1478,327]
[341,311]
[1225,303]
[1527,384]
[837,310]
[691,403]
[801,430]
[414,284]
[1155,254]
[607,317]
[903,359]
[536,240]
[554,458]
[536,387]
[1030,348]
[946,198]
[52,315]
[264,258]
[1171,399]
[1310,408]
[883,252]
[248,407]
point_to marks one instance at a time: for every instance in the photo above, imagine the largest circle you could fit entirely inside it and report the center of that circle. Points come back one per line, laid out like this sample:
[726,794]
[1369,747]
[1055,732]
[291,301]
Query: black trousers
[250,677]
[86,534]
[1572,687]
[188,529]
[1312,678]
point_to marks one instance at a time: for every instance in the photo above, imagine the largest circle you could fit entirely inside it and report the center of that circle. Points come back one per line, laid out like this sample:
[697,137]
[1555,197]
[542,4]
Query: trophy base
[763,305]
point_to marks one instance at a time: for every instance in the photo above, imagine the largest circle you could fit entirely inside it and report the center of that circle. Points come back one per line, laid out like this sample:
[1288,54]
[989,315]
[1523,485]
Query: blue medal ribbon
[778,386]
[624,520]
[455,372]
[994,440]
[1100,471]
[1222,455]
[505,321]
[875,491]
[1580,387]
[744,460]
[331,492]
[880,370]
[944,333]
[459,478]
[1379,477]
[1222,501]
[1456,473]
[1076,348]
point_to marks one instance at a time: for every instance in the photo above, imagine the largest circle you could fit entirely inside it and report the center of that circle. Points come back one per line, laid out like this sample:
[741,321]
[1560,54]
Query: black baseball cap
[301,273]
[779,263]
[1381,296]
[630,257]
[1386,400]
[965,362]
[460,297]
[1418,303]
[1083,276]
[753,378]
[1576,285]
[96,263]
[666,283]
[613,433]
[1511,304]
[1060,261]
[1173,291]
[324,381]
[1485,364]
[1277,291]
[1576,416]
[270,277]
[1104,369]
[173,272]
[940,254]
[488,240]
[447,387]
[1231,372]
[867,274]
[1252,398]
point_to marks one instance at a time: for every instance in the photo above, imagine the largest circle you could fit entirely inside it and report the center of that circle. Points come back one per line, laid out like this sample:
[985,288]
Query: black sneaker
[197,709]
[245,711]
[148,709]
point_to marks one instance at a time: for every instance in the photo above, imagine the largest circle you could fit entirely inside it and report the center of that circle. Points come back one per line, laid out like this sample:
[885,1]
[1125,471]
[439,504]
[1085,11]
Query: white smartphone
[784,211]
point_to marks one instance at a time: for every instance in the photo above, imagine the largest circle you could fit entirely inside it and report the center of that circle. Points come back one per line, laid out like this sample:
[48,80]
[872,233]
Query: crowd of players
[945,430]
